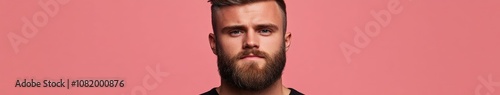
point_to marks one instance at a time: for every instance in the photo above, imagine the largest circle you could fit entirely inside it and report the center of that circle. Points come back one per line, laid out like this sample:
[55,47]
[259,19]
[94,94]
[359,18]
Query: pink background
[432,47]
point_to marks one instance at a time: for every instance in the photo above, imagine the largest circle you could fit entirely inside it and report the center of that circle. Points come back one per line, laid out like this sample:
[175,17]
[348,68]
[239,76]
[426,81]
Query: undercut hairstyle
[216,4]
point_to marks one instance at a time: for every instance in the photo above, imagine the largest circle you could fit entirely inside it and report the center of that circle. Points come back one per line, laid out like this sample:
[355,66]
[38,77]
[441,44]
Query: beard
[249,76]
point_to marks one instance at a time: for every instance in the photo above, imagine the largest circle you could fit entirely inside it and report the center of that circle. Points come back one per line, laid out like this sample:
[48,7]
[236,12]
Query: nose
[251,40]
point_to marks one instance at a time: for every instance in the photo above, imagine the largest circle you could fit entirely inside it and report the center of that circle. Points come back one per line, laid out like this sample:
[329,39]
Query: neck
[276,88]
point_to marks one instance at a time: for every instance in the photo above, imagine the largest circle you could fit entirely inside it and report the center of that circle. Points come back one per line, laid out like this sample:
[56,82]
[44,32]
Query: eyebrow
[269,25]
[242,27]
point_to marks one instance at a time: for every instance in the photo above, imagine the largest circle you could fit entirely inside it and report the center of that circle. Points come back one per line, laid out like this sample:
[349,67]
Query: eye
[235,33]
[265,32]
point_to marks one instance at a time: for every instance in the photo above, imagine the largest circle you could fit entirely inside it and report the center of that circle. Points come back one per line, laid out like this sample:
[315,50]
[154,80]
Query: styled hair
[216,4]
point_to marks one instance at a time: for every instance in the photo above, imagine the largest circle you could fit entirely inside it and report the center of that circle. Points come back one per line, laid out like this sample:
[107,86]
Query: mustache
[254,52]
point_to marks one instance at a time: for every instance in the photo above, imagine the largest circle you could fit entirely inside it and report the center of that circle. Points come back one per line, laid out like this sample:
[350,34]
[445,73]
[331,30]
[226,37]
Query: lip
[250,56]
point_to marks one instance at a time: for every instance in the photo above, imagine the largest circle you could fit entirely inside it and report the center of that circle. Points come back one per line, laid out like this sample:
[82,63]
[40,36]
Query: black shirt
[214,92]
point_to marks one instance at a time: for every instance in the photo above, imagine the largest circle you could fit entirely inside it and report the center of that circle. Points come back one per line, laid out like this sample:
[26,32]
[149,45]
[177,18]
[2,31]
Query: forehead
[251,14]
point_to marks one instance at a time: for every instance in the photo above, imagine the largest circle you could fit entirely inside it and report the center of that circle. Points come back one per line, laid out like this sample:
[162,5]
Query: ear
[211,39]
[288,40]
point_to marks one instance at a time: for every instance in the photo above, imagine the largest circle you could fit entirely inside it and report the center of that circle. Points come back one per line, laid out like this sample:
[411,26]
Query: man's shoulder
[213,91]
[294,92]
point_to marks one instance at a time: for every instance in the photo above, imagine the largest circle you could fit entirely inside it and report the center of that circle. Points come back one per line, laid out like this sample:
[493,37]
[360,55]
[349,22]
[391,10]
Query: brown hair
[222,3]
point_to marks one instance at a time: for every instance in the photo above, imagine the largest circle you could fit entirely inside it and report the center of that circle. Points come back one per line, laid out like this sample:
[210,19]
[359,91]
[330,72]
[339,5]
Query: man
[250,40]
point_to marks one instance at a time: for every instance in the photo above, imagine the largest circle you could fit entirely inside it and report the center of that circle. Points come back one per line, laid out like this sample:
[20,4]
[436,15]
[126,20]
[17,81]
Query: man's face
[250,44]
